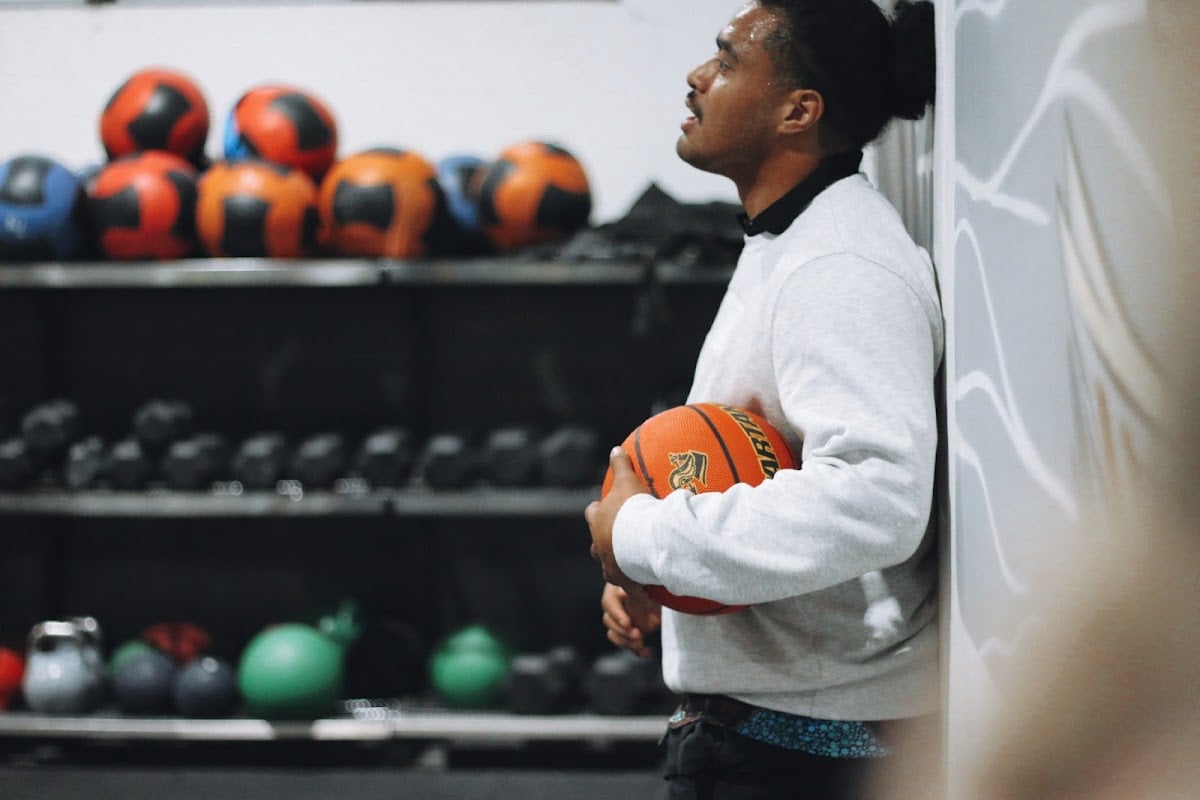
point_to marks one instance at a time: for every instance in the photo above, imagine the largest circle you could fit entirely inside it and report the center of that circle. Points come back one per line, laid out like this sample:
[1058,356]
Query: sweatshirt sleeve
[854,356]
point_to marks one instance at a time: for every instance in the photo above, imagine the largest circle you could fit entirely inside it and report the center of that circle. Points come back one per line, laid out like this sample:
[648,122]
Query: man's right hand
[630,616]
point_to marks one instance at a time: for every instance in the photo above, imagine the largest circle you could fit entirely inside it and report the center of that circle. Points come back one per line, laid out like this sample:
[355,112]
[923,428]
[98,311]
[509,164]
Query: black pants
[707,761]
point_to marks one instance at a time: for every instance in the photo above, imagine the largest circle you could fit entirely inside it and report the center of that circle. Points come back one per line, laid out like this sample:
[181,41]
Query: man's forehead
[750,25]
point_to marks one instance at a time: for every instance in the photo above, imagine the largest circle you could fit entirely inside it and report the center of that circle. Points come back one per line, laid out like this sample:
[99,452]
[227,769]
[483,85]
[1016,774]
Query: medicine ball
[383,202]
[253,208]
[156,109]
[534,192]
[41,204]
[283,125]
[143,206]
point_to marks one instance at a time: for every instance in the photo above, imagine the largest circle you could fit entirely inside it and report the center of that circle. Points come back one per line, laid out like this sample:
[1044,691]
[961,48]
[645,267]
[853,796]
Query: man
[831,329]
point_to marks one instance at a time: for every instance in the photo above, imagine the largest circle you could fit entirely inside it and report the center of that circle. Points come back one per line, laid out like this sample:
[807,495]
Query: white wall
[607,80]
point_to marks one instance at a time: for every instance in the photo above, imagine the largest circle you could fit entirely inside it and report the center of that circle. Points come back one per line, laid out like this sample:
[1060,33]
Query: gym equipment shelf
[367,723]
[253,272]
[402,502]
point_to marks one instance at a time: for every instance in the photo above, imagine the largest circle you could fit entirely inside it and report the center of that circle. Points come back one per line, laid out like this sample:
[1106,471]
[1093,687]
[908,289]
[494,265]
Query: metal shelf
[265,272]
[388,723]
[192,273]
[401,502]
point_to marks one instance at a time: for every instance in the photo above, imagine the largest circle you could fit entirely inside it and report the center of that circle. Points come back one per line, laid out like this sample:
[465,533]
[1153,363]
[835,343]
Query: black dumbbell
[127,466]
[50,428]
[385,457]
[195,462]
[16,465]
[158,423]
[620,684]
[509,456]
[447,461]
[261,460]
[319,460]
[570,457]
[85,464]
[543,683]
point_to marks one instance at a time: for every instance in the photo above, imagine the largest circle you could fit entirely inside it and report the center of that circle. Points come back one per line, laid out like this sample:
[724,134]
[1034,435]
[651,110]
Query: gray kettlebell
[58,678]
[93,657]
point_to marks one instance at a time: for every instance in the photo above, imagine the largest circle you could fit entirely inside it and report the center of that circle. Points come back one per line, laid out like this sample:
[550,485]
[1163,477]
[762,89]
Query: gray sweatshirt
[832,331]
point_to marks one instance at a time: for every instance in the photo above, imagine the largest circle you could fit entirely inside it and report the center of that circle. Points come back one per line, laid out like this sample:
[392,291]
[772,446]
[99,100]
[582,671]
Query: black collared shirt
[776,217]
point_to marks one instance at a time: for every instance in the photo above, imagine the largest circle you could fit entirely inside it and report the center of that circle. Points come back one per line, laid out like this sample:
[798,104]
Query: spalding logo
[768,462]
[691,471]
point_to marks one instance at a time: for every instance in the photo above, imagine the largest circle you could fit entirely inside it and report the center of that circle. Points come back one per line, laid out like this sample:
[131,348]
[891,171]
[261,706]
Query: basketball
[703,447]
[285,126]
[534,192]
[40,210]
[143,206]
[155,109]
[256,209]
[383,203]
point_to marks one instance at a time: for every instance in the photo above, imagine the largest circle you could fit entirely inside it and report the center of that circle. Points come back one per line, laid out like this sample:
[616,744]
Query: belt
[718,708]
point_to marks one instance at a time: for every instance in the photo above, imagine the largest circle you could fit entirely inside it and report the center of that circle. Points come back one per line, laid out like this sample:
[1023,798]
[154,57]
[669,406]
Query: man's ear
[805,108]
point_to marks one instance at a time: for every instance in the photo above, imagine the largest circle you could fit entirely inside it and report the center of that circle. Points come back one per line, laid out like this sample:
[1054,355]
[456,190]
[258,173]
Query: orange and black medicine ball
[384,203]
[156,109]
[256,209]
[534,192]
[283,125]
[143,206]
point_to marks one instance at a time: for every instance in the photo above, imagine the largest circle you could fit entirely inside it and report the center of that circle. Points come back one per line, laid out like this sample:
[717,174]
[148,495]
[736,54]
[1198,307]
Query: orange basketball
[703,447]
[382,202]
[254,208]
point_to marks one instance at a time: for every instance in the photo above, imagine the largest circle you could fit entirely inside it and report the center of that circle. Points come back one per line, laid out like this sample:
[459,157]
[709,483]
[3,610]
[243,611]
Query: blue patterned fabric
[821,737]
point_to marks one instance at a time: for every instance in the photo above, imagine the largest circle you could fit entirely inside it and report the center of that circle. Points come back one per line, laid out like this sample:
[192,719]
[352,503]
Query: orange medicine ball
[534,192]
[253,208]
[155,109]
[703,447]
[383,203]
[143,206]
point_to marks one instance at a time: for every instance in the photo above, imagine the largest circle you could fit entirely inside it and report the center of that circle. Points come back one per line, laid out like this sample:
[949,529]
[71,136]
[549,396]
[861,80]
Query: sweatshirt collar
[776,217]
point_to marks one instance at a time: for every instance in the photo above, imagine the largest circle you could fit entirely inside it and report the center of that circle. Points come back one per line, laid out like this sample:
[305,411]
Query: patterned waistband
[823,737]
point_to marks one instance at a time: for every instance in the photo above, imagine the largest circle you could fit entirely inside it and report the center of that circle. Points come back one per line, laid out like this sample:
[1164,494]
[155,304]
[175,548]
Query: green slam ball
[127,651]
[469,678]
[291,671]
[476,638]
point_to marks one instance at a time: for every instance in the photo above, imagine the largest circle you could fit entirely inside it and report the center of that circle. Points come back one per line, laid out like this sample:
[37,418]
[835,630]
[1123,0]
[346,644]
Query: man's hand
[601,514]
[630,615]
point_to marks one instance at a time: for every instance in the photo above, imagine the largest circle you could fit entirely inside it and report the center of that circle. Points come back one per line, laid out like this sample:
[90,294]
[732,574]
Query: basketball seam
[637,451]
[720,440]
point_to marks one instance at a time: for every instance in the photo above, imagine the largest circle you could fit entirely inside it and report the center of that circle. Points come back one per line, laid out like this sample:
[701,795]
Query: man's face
[734,100]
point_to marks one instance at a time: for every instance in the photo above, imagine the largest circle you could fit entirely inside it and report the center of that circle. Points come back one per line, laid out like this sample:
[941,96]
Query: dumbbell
[319,460]
[127,466]
[16,465]
[509,456]
[544,683]
[385,457]
[447,461]
[49,428]
[260,460]
[620,684]
[195,462]
[570,457]
[158,423]
[85,464]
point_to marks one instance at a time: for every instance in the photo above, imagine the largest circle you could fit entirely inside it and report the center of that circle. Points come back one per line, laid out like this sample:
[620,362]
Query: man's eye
[721,65]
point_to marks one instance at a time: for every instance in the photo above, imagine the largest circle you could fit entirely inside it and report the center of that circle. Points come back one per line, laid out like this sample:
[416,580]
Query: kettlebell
[58,676]
[93,657]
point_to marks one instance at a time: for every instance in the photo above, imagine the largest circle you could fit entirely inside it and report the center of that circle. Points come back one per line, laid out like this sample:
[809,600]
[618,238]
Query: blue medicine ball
[454,173]
[41,204]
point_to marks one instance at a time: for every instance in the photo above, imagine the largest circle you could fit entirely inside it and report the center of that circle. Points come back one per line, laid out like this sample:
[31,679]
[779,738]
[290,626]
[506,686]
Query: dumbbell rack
[362,721]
